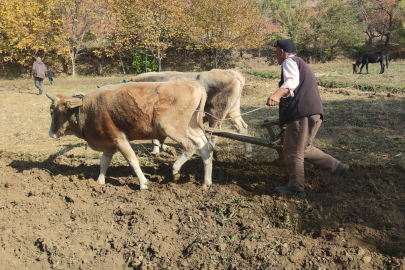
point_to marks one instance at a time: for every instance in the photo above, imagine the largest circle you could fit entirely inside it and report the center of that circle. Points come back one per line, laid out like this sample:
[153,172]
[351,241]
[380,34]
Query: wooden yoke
[74,102]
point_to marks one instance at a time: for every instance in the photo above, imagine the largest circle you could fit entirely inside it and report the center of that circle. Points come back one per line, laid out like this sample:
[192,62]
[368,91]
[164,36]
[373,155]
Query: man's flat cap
[287,45]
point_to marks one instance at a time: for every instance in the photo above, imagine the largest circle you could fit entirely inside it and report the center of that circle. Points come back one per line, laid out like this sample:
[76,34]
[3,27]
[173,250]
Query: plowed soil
[53,214]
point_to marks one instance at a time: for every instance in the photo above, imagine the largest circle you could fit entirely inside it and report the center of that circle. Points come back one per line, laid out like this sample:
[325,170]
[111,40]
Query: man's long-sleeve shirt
[291,76]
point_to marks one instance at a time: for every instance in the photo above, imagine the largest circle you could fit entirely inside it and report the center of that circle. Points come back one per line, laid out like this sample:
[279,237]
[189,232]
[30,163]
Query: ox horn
[54,99]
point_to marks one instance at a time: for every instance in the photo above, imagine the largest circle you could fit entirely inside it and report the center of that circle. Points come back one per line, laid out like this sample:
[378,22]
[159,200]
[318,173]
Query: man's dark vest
[306,100]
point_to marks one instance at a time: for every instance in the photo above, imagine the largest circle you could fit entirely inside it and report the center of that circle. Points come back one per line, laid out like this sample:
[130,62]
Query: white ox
[224,91]
[112,116]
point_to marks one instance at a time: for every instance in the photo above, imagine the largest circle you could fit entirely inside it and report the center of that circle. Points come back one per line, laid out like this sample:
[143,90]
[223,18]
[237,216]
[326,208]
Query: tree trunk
[370,40]
[64,64]
[159,59]
[122,64]
[260,46]
[159,63]
[73,64]
[146,61]
[216,58]
[387,39]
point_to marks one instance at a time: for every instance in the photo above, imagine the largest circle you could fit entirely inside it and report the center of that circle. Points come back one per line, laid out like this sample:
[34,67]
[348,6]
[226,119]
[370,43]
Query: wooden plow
[275,141]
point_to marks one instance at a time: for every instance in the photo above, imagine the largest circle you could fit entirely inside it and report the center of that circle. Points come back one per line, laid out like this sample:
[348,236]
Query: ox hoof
[176,177]
[101,182]
[155,150]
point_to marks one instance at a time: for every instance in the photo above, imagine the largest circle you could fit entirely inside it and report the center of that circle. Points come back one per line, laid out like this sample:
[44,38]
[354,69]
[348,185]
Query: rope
[220,120]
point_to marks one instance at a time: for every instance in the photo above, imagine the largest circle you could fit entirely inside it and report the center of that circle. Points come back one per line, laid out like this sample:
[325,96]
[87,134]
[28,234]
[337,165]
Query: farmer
[38,73]
[301,111]
[50,75]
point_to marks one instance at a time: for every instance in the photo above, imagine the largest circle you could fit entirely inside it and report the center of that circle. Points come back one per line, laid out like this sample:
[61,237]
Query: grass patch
[263,73]
[339,74]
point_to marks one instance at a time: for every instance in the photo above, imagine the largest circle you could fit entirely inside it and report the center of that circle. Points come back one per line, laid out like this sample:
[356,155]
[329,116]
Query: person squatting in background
[38,73]
[301,111]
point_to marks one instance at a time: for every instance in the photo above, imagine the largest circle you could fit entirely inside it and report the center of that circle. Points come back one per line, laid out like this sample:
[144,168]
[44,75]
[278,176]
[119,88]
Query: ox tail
[200,118]
[200,108]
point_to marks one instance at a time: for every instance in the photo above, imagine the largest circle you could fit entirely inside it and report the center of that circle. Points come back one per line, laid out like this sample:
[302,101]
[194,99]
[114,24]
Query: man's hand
[273,100]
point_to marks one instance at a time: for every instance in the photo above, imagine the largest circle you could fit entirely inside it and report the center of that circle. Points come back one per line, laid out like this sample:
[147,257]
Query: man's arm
[274,99]
[291,81]
[291,76]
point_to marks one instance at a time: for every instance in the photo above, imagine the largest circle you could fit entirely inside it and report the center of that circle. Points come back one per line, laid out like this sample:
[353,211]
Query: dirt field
[53,215]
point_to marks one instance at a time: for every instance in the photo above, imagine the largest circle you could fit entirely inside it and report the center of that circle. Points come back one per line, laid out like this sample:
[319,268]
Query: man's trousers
[39,82]
[297,148]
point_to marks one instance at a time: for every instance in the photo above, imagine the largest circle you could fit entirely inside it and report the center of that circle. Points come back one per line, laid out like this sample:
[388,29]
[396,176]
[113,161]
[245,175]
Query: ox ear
[74,102]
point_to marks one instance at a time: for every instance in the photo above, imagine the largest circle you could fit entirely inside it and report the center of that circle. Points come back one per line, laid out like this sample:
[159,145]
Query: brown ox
[112,116]
[224,90]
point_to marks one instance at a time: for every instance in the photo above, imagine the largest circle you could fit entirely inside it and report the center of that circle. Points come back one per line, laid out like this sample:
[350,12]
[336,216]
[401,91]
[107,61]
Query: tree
[84,22]
[294,17]
[28,28]
[149,25]
[399,33]
[335,26]
[363,9]
[384,14]
[220,25]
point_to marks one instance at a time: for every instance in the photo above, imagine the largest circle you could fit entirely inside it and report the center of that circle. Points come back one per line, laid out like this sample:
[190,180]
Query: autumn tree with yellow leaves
[69,27]
[28,28]
[63,27]
[221,25]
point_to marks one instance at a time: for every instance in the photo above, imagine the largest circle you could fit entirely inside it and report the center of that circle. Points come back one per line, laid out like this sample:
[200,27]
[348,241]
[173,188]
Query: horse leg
[362,65]
[382,67]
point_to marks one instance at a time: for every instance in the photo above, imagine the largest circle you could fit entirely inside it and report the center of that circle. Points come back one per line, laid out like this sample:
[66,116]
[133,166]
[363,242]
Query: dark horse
[375,57]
